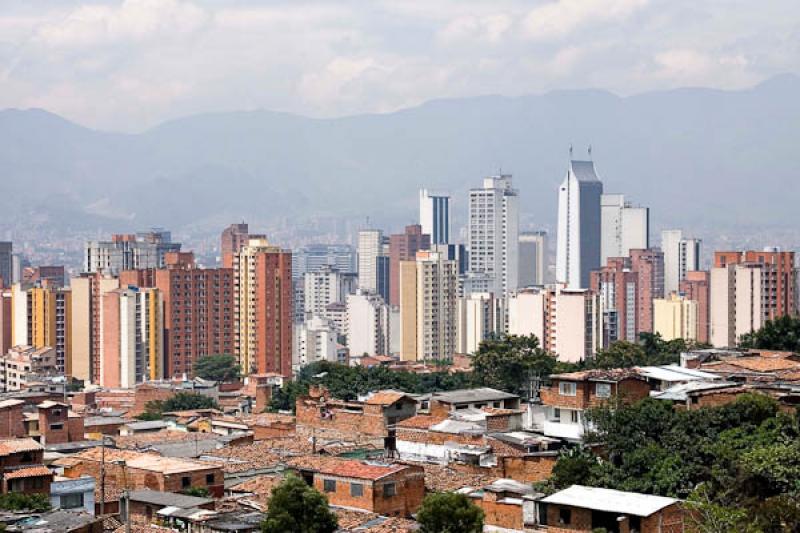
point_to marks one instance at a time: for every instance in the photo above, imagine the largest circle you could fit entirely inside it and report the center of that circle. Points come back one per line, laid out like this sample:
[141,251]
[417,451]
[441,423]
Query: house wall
[11,424]
[498,514]
[410,490]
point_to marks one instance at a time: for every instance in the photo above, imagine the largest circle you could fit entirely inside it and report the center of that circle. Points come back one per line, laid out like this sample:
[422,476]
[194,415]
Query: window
[389,490]
[556,414]
[573,417]
[356,490]
[186,482]
[56,427]
[72,501]
[567,388]
[329,485]
[36,483]
[209,479]
[602,390]
[564,516]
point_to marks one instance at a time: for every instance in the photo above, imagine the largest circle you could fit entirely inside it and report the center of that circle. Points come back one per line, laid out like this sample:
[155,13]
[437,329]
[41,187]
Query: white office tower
[532,258]
[434,216]
[680,256]
[567,322]
[428,297]
[370,246]
[578,245]
[479,317]
[315,340]
[736,302]
[129,252]
[624,227]
[494,234]
[366,325]
[323,287]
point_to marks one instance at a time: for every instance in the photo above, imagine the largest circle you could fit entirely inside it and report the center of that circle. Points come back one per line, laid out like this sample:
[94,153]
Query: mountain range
[694,155]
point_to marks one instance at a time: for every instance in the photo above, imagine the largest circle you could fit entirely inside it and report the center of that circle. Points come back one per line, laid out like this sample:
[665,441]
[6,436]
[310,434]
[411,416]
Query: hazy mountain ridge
[693,155]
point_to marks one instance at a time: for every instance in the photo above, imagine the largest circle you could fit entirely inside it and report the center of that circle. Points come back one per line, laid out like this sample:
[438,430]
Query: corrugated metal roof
[609,500]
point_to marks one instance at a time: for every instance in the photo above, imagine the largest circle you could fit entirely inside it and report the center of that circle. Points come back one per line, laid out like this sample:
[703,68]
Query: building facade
[624,227]
[532,258]
[681,256]
[129,252]
[367,325]
[434,216]
[675,317]
[579,225]
[404,247]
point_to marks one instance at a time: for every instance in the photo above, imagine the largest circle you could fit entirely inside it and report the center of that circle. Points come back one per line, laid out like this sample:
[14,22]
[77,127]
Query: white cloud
[128,64]
[560,18]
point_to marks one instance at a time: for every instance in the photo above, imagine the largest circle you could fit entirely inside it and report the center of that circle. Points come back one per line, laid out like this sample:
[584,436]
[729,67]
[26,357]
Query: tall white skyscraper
[623,227]
[370,246]
[578,246]
[532,254]
[434,216]
[680,256]
[494,234]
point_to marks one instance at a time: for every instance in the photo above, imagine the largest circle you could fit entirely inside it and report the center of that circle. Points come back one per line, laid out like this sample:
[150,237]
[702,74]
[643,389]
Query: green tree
[294,506]
[508,363]
[621,354]
[574,467]
[783,334]
[448,512]
[183,401]
[220,367]
[17,501]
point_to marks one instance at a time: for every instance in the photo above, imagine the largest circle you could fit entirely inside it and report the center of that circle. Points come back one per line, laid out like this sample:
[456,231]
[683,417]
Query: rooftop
[481,394]
[387,397]
[145,461]
[148,425]
[609,500]
[31,471]
[675,373]
[168,499]
[612,375]
[9,446]
[352,468]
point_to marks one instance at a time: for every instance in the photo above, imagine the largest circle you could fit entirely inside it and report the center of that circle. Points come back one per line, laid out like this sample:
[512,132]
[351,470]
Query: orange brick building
[385,489]
[778,281]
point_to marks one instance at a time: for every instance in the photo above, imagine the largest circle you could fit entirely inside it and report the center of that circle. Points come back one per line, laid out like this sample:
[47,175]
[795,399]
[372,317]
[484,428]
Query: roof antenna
[590,152]
[570,150]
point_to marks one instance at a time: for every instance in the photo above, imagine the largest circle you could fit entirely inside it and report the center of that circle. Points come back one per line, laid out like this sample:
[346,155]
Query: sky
[128,65]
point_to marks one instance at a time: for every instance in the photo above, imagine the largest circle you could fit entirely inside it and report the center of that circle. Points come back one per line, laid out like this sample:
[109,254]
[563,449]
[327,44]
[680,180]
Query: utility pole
[103,476]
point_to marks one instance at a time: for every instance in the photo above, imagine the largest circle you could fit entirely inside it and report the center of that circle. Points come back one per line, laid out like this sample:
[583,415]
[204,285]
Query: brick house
[374,416]
[442,403]
[138,470]
[584,509]
[507,504]
[11,424]
[569,395]
[145,504]
[58,424]
[21,464]
[385,489]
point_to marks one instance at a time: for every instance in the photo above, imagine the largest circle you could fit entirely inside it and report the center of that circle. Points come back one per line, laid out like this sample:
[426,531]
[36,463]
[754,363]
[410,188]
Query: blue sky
[130,64]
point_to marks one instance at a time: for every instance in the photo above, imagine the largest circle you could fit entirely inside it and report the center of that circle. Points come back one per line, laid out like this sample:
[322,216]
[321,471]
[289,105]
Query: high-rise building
[367,324]
[579,222]
[681,255]
[567,322]
[198,310]
[532,258]
[624,227]
[233,238]
[87,293]
[312,257]
[675,317]
[129,252]
[428,296]
[404,247]
[6,264]
[454,252]
[6,312]
[323,287]
[479,317]
[627,287]
[370,247]
[132,326]
[52,276]
[434,216]
[494,234]
[314,340]
[42,318]
[263,308]
[649,266]
[696,288]
[746,290]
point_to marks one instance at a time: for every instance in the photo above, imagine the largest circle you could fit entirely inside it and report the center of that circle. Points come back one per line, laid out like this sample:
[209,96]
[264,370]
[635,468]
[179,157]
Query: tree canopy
[347,382]
[183,401]
[741,456]
[17,501]
[294,506]
[220,367]
[448,512]
[782,334]
[510,362]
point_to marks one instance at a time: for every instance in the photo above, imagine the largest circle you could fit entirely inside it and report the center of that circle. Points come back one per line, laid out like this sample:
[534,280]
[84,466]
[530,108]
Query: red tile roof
[385,398]
[337,466]
[612,374]
[9,446]
[32,471]
[420,422]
